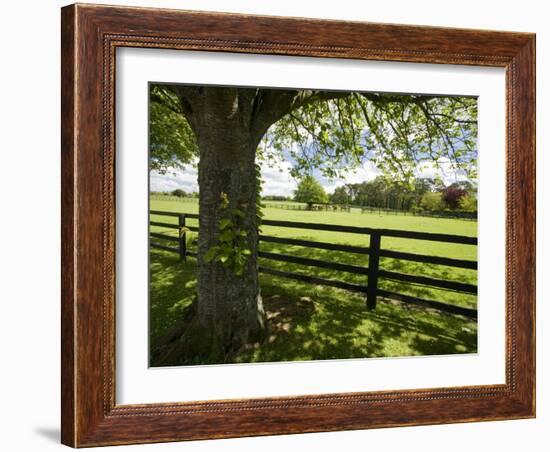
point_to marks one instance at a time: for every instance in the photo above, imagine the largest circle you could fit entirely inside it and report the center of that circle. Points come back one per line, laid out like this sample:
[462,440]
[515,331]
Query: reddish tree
[452,194]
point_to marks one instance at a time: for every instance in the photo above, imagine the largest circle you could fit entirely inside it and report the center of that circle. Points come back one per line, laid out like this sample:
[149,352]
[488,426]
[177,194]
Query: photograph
[283,222]
[296,224]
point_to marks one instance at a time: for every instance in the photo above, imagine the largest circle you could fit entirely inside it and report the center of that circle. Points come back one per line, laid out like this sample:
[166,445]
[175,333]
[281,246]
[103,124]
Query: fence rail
[373,272]
[374,210]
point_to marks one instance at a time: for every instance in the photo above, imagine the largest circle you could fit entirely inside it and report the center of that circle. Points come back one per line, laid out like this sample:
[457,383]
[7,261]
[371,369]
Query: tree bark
[228,124]
[229,311]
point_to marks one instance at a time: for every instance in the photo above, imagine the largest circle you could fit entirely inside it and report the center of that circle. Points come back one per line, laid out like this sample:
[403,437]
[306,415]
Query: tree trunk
[229,311]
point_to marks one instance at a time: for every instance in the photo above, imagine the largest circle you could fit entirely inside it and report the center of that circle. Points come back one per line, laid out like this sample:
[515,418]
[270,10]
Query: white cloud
[186,179]
[277,179]
[444,170]
[366,172]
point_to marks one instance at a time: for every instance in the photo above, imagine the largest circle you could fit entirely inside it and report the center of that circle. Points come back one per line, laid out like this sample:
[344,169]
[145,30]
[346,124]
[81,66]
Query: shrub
[468,203]
[432,201]
[179,193]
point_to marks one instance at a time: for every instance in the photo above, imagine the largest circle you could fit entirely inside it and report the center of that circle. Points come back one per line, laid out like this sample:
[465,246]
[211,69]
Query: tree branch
[276,103]
[189,97]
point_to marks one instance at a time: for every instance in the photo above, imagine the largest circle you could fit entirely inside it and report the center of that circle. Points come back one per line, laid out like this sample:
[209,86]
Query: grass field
[313,322]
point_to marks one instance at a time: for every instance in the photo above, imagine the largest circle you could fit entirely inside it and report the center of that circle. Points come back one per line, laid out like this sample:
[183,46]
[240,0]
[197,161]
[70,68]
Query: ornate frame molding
[90,36]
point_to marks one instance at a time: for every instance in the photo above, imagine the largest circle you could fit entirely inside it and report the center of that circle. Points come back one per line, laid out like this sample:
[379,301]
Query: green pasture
[328,323]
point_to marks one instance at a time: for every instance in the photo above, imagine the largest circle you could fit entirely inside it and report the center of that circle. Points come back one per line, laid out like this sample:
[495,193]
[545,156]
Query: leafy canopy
[396,132]
[333,132]
[171,141]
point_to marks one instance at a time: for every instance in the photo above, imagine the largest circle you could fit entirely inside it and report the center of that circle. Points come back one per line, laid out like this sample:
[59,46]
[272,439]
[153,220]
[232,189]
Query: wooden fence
[453,214]
[374,251]
[374,210]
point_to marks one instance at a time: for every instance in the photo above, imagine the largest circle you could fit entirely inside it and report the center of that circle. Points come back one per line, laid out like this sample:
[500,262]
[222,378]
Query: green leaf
[211,253]
[226,249]
[238,270]
[224,223]
[226,236]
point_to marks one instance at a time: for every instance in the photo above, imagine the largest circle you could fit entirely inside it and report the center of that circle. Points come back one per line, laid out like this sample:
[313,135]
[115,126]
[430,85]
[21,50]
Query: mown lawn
[309,322]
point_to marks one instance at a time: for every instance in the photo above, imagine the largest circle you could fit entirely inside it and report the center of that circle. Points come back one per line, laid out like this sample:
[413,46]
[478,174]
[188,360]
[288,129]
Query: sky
[279,182]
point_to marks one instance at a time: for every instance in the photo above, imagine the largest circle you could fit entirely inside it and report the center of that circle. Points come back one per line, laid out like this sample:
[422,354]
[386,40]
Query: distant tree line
[177,192]
[425,195]
[276,198]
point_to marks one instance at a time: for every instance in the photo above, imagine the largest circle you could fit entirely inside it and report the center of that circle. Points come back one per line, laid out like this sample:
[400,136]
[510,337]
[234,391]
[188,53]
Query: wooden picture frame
[90,36]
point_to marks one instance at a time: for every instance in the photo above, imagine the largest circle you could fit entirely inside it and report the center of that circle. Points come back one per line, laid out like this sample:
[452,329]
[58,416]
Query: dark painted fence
[456,214]
[373,272]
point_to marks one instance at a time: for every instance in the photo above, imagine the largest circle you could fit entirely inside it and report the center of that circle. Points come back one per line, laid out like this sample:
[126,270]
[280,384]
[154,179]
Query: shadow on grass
[172,288]
[327,323]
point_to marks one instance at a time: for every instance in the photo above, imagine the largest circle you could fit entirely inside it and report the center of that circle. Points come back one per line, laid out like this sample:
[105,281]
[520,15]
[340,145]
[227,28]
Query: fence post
[374,258]
[181,237]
